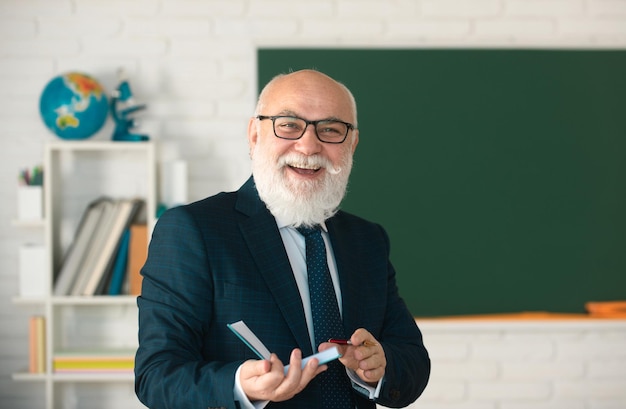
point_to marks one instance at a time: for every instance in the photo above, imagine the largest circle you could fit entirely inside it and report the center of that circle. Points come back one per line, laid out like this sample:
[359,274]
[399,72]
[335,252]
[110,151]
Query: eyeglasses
[292,128]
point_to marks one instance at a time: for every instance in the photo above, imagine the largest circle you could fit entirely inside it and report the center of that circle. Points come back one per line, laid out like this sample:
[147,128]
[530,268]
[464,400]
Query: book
[97,354]
[79,361]
[117,267]
[128,368]
[125,211]
[37,344]
[93,365]
[76,254]
[137,254]
[32,345]
[121,266]
[248,337]
[95,247]
[107,277]
[41,344]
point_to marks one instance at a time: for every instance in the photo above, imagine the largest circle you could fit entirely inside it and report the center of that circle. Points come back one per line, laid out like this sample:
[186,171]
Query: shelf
[28,300]
[77,173]
[95,300]
[77,300]
[99,145]
[29,377]
[78,377]
[35,223]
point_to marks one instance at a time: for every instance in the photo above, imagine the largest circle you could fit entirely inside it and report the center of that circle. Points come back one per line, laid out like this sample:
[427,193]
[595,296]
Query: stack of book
[97,261]
[122,361]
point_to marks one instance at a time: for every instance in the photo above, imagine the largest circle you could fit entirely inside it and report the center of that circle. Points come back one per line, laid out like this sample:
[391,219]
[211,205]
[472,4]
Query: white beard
[298,202]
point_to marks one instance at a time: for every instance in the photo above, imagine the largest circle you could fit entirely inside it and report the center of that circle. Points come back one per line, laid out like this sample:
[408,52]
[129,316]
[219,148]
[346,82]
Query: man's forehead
[300,100]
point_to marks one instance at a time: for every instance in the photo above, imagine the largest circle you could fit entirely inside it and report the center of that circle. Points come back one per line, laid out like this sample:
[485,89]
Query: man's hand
[365,356]
[266,380]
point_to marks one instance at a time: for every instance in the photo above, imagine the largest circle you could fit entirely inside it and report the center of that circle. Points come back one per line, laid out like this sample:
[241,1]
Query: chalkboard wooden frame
[500,175]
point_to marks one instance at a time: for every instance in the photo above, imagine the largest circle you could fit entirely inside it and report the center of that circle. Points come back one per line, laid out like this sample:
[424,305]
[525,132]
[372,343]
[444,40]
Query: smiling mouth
[305,170]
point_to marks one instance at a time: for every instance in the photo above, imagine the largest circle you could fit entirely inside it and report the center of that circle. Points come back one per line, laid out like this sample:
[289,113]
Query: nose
[308,144]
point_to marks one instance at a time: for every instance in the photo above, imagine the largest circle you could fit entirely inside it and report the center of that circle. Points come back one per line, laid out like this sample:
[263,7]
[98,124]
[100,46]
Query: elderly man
[279,255]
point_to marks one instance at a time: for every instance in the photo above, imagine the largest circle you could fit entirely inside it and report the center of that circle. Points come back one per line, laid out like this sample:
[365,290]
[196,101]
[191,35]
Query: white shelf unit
[76,173]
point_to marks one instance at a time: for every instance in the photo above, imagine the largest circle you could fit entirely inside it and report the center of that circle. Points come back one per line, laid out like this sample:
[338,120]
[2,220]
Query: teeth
[310,167]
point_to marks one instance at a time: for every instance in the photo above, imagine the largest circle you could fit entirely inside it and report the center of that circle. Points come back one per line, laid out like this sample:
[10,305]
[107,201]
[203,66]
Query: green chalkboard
[500,175]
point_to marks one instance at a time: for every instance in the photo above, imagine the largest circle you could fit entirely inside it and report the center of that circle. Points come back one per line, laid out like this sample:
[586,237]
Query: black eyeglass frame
[349,127]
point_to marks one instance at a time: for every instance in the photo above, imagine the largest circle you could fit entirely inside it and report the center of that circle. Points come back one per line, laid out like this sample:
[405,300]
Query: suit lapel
[266,246]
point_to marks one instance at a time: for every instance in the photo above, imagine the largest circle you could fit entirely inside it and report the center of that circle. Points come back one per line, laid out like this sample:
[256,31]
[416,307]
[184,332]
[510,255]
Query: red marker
[348,342]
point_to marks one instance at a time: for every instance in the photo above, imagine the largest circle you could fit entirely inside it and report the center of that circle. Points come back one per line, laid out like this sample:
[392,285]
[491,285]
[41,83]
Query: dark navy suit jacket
[221,260]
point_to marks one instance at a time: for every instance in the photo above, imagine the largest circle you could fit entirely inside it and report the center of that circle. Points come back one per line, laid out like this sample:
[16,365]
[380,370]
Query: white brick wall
[193,63]
[525,364]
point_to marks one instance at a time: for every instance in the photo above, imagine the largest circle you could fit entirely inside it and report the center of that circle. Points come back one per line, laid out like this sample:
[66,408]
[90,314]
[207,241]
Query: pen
[365,343]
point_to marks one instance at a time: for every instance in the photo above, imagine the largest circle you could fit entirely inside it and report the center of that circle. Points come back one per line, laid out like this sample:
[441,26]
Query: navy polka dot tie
[336,389]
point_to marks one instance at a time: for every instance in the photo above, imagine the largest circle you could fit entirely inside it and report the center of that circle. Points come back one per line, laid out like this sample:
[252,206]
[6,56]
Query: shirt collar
[282,224]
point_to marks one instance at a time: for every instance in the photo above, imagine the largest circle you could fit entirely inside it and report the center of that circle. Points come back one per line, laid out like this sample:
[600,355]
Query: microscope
[123,109]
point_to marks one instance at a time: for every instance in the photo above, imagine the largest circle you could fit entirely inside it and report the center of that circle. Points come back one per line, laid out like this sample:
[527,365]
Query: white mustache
[334,171]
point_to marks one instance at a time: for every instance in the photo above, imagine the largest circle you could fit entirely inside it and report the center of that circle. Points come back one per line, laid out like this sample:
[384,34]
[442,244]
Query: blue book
[119,268]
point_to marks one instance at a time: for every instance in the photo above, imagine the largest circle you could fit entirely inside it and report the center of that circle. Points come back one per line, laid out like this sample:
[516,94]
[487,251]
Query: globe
[73,106]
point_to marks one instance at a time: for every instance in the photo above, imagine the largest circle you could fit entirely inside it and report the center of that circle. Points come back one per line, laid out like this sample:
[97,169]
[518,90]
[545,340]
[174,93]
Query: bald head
[318,89]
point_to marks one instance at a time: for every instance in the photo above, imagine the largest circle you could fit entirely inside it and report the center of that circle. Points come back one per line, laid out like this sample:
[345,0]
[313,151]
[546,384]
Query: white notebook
[250,339]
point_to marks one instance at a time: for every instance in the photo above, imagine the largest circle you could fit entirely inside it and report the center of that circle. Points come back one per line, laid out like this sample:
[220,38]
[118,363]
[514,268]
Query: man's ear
[355,140]
[253,134]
